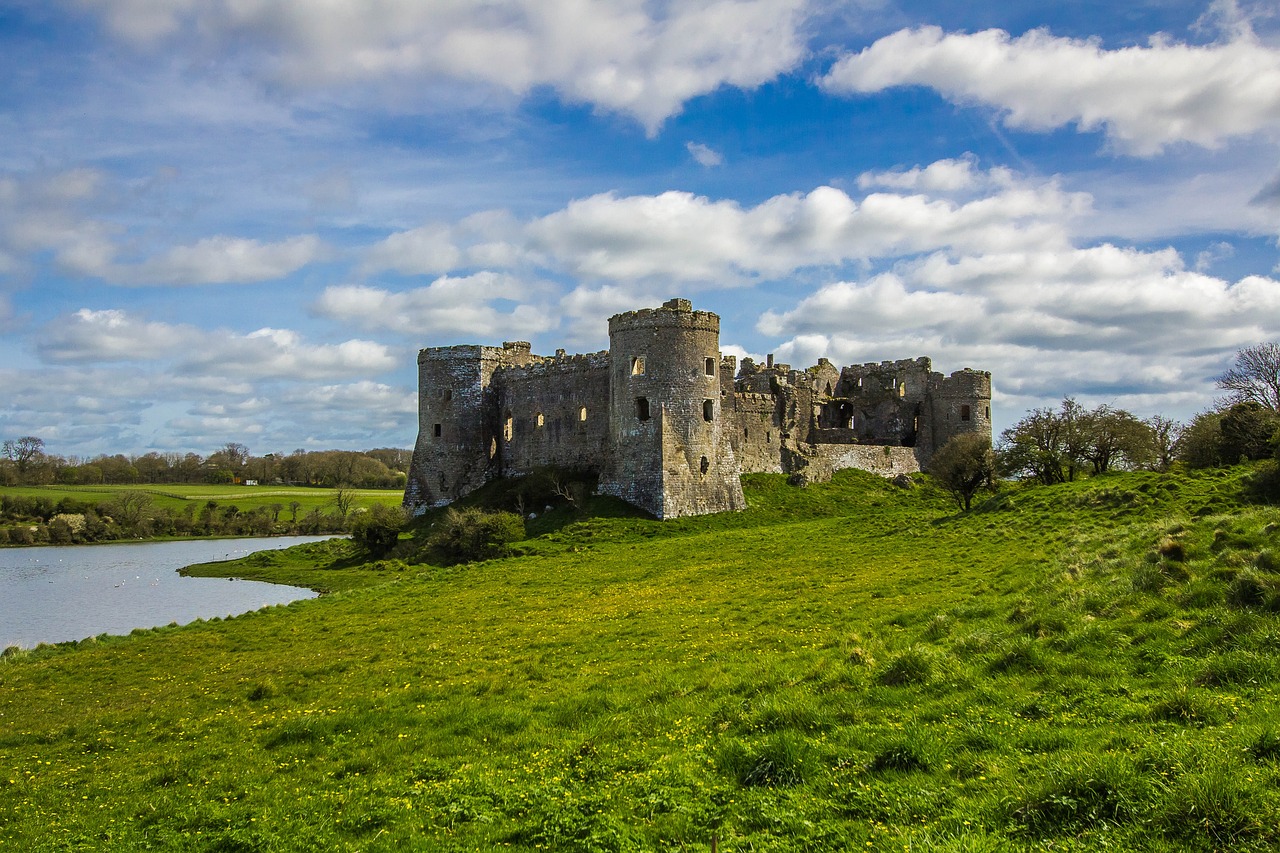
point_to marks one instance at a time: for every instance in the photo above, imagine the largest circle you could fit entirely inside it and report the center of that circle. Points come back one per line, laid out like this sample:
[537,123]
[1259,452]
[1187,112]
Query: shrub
[378,529]
[472,534]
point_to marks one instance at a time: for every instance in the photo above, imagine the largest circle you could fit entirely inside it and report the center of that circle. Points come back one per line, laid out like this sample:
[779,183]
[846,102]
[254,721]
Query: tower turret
[670,454]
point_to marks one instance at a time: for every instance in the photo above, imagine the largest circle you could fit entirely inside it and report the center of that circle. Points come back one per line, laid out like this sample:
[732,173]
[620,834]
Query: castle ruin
[666,423]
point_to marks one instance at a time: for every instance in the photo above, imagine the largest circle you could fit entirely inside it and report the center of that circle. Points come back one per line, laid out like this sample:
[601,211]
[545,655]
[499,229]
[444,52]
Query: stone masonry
[666,423]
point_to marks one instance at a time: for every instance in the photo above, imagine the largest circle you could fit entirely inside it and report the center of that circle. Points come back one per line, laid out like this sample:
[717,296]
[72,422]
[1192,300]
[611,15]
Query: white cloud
[222,260]
[112,335]
[628,56]
[115,335]
[1105,322]
[687,238]
[448,306]
[703,155]
[1145,98]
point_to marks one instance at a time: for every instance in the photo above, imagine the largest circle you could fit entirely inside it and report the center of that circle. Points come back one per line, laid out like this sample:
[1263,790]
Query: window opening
[538,420]
[438,428]
[582,414]
[508,427]
[642,408]
[902,389]
[708,411]
[637,366]
[705,465]
[493,447]
[448,394]
[964,413]
[711,367]
[987,413]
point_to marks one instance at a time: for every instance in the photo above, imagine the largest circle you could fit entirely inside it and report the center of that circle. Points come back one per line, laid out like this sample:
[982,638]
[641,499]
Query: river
[70,592]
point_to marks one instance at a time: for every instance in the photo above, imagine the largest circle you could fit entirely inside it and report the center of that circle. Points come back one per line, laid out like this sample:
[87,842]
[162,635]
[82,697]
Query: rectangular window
[637,366]
[964,413]
[642,408]
[437,430]
[711,367]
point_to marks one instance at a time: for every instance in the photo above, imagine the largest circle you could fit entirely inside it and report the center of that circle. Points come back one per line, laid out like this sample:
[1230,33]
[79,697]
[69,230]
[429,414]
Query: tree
[1248,430]
[342,499]
[1165,435]
[1033,447]
[964,465]
[1112,436]
[130,509]
[1255,377]
[23,452]
[1200,444]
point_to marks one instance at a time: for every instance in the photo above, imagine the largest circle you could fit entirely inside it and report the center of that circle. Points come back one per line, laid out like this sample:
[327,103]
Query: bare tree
[1255,377]
[343,497]
[24,451]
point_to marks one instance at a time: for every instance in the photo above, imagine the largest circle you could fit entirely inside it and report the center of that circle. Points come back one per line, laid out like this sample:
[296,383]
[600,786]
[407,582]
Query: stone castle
[666,423]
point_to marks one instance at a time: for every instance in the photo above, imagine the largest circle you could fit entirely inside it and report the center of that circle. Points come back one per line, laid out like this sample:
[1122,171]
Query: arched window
[637,366]
[708,411]
[582,414]
[711,366]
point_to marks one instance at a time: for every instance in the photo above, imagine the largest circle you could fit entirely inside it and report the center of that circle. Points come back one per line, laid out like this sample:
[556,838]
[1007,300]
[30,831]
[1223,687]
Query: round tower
[668,455]
[961,403]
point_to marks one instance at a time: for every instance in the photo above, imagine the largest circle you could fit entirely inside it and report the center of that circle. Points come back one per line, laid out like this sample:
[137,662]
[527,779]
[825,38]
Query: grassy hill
[851,665]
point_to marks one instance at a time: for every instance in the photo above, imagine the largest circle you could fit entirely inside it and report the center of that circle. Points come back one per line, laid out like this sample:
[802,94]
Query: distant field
[175,496]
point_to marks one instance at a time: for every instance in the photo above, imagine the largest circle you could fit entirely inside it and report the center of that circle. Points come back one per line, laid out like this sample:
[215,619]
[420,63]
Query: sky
[239,220]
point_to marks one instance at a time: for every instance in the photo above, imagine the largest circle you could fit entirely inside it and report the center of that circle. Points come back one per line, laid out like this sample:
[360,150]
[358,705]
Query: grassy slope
[849,665]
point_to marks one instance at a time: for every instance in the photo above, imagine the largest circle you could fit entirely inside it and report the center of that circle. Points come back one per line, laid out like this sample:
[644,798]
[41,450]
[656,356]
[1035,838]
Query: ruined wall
[454,452]
[553,412]
[755,433]
[665,419]
[821,460]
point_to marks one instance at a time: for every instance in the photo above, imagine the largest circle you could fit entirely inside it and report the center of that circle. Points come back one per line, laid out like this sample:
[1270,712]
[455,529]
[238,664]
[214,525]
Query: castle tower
[960,403]
[670,455]
[457,450]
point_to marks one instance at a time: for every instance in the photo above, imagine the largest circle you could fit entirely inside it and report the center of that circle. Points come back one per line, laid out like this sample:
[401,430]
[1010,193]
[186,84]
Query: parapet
[674,313]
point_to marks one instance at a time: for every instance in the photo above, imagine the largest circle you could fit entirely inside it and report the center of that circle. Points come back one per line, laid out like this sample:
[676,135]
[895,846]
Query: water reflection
[59,593]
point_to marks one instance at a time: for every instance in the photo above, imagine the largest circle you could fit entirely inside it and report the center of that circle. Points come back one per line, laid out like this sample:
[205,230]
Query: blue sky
[238,221]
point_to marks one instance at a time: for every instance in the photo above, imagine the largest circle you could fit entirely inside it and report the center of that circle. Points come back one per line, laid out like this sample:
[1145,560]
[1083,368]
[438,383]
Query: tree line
[1059,444]
[24,462]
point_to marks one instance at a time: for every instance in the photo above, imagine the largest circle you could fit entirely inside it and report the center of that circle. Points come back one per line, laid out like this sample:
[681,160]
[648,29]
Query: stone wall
[553,412]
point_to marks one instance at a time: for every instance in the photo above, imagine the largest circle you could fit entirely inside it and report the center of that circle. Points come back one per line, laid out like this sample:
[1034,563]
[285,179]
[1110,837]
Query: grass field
[848,666]
[177,496]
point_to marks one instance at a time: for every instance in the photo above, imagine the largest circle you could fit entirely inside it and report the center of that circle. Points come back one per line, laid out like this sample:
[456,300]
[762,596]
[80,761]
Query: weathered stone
[667,423]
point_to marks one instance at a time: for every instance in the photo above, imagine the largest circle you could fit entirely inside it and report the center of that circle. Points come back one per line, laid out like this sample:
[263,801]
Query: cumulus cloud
[114,335]
[1144,98]
[684,237]
[1101,320]
[628,56]
[222,260]
[450,306]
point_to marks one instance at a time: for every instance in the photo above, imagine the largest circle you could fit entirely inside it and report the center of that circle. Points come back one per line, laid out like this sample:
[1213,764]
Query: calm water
[54,594]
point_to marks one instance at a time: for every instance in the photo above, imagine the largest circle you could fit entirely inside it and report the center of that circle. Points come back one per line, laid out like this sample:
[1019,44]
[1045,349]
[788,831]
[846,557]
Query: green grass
[852,665]
[170,496]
